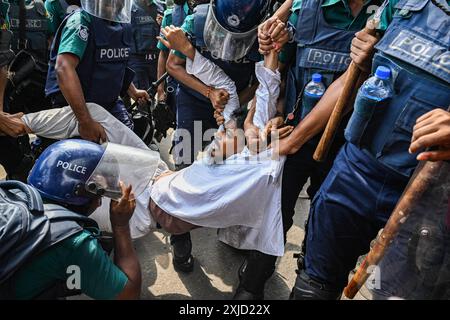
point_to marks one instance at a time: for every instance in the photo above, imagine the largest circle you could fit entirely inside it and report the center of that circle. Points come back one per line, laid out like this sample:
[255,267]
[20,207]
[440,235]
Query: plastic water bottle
[314,91]
[371,96]
[379,86]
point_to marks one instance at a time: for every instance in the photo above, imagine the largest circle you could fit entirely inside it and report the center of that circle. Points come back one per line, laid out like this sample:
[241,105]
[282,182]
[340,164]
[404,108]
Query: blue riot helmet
[231,27]
[112,10]
[73,171]
[64,168]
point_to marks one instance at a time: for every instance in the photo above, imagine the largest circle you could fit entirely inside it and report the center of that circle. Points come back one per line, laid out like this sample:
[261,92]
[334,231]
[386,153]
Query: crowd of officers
[353,192]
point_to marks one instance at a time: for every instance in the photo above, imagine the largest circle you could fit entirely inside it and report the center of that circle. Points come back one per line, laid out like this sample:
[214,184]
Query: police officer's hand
[272,35]
[176,39]
[362,50]
[220,119]
[141,96]
[277,129]
[120,212]
[159,19]
[12,125]
[432,130]
[279,35]
[92,131]
[219,98]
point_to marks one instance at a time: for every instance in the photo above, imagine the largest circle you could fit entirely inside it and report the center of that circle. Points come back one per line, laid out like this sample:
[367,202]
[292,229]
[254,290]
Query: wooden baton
[424,175]
[351,84]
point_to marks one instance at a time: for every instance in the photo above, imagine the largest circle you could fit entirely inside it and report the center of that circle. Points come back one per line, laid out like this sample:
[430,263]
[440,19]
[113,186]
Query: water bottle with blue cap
[314,91]
[372,94]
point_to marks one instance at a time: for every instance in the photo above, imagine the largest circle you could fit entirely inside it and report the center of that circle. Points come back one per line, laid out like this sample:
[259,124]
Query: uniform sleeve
[167,21]
[54,18]
[75,35]
[188,27]
[387,15]
[296,5]
[100,277]
[79,256]
[4,19]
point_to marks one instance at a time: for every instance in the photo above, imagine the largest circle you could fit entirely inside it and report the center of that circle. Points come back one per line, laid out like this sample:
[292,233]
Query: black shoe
[253,274]
[242,294]
[307,288]
[183,261]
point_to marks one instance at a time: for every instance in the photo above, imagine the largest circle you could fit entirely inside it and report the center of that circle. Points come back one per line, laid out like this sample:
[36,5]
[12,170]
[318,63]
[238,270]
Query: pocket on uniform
[144,39]
[400,139]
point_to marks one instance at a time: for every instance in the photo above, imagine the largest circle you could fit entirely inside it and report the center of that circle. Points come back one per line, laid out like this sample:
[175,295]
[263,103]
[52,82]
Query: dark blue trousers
[353,204]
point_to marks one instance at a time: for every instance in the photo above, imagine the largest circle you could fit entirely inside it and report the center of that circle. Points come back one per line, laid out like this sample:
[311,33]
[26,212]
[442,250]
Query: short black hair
[239,115]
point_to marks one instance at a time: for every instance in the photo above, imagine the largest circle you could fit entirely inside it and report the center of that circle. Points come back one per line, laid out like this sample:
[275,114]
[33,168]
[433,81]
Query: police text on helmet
[71,167]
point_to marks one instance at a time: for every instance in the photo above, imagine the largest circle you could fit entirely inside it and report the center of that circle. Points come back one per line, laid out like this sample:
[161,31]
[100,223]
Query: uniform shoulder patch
[83,33]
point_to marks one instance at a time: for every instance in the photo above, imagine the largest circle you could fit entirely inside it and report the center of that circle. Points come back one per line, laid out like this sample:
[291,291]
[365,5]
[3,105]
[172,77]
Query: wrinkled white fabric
[244,191]
[242,195]
[212,75]
[62,124]
[266,95]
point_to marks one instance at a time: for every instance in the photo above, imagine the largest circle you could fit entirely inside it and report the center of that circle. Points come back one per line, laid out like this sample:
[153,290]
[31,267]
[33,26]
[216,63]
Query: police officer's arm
[124,254]
[162,62]
[432,130]
[246,95]
[69,83]
[316,121]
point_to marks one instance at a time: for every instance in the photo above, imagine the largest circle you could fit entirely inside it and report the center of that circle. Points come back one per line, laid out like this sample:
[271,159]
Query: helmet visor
[132,166]
[224,44]
[112,10]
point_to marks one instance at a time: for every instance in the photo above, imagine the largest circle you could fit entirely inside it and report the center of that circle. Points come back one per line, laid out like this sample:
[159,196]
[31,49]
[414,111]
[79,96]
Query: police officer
[88,63]
[373,168]
[323,34]
[29,69]
[144,53]
[62,177]
[57,10]
[415,265]
[12,159]
[175,16]
[208,26]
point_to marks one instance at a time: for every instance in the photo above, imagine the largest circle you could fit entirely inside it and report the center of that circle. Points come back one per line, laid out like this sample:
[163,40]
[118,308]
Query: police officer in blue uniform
[61,184]
[144,52]
[374,166]
[89,63]
[174,16]
[196,102]
[30,42]
[322,35]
